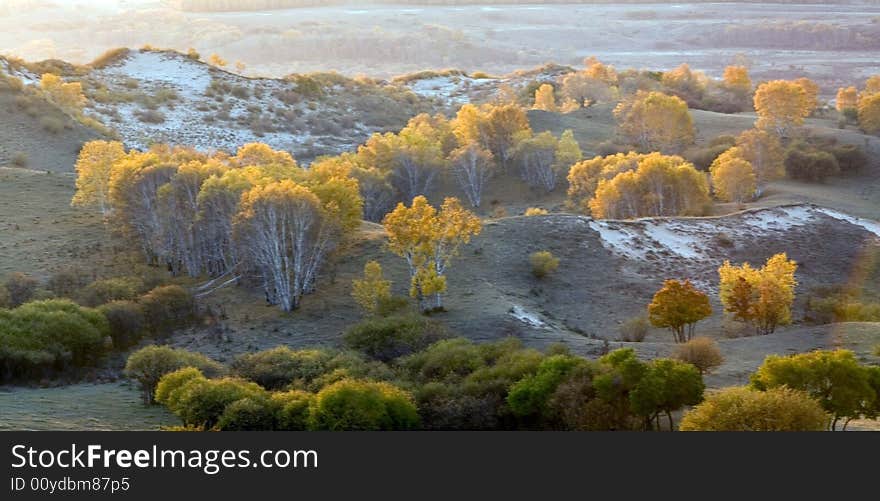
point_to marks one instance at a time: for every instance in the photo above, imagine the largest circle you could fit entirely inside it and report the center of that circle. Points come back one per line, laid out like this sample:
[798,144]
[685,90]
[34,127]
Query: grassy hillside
[93,407]
[42,137]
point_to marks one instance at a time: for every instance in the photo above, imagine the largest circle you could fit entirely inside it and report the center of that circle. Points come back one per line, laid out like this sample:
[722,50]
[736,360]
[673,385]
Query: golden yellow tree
[68,96]
[660,186]
[737,78]
[584,176]
[655,121]
[869,113]
[262,154]
[847,98]
[761,297]
[781,105]
[678,306]
[279,231]
[93,166]
[685,83]
[372,290]
[764,151]
[545,98]
[872,85]
[428,240]
[733,177]
[811,89]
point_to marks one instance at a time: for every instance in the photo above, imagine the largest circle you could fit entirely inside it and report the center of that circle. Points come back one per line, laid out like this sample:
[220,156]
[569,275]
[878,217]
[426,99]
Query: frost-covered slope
[164,96]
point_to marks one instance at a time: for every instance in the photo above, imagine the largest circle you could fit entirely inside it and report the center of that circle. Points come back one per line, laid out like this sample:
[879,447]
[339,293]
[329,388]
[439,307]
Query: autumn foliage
[678,306]
[428,240]
[762,296]
[654,121]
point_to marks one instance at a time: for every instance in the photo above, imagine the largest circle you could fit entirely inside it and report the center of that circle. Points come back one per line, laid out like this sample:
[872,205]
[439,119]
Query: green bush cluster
[148,366]
[387,338]
[42,338]
[453,384]
[239,405]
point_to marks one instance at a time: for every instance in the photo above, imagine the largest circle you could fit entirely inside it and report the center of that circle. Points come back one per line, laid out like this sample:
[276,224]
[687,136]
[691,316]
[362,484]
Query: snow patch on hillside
[527,317]
[453,89]
[683,246]
[872,226]
[211,109]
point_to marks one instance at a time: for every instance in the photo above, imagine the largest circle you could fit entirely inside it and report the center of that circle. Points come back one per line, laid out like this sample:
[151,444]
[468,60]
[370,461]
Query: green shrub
[21,288]
[248,414]
[391,337]
[277,368]
[362,405]
[841,307]
[126,322]
[351,365]
[449,359]
[843,387]
[42,337]
[543,263]
[666,386]
[167,308]
[742,409]
[149,364]
[528,398]
[850,158]
[203,402]
[169,386]
[111,289]
[804,164]
[292,410]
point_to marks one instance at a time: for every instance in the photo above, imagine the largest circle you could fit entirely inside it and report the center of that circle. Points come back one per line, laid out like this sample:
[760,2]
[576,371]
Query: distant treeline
[244,5]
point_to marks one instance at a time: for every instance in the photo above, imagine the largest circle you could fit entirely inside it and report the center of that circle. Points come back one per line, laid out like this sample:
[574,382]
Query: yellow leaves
[811,91]
[93,166]
[847,98]
[568,151]
[764,151]
[782,105]
[68,96]
[660,185]
[545,99]
[761,297]
[655,121]
[372,290]
[869,113]
[737,78]
[262,154]
[285,193]
[679,305]
[733,177]
[428,239]
[216,60]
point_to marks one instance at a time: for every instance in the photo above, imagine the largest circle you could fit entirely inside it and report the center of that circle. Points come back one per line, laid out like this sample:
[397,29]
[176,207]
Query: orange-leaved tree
[678,306]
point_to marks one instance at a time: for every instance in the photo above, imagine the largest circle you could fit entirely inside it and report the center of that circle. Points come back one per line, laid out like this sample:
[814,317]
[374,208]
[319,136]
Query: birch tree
[276,229]
[473,166]
[93,166]
[429,240]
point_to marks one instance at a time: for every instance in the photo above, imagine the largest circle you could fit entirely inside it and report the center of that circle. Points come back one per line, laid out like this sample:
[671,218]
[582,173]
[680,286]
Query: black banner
[458,465]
